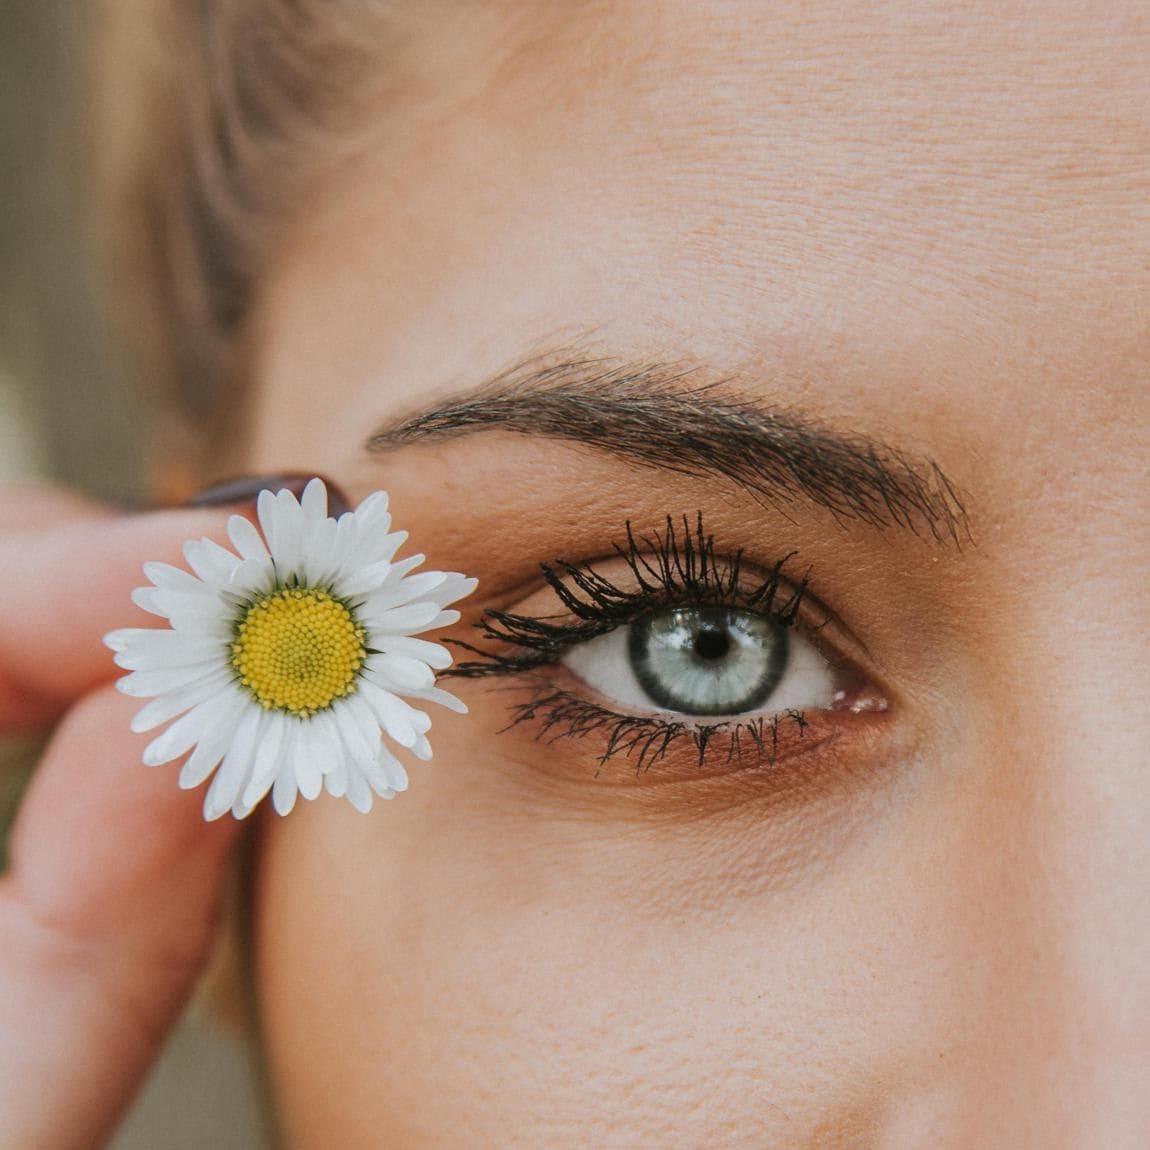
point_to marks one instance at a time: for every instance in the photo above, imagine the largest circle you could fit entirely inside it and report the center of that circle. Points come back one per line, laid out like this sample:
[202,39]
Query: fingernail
[245,488]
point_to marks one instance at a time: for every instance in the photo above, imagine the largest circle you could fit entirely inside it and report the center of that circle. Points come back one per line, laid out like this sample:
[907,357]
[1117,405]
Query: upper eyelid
[698,573]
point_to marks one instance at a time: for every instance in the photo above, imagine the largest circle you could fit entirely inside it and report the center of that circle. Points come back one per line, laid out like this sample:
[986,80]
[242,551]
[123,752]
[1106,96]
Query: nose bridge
[1061,837]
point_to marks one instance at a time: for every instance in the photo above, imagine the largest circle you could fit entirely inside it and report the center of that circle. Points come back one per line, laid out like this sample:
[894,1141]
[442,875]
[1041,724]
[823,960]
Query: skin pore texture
[926,225]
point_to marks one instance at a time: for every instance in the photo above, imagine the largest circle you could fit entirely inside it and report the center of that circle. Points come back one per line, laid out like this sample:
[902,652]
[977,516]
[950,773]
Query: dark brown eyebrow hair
[661,415]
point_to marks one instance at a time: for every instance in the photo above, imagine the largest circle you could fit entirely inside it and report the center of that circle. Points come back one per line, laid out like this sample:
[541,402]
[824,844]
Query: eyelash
[678,567]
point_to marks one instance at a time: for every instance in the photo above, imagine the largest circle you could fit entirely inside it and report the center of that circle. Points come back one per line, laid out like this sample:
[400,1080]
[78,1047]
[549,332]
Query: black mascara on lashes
[678,567]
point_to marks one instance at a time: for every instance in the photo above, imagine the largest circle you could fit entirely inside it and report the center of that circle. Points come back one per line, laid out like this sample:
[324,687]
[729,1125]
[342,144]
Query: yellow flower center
[298,650]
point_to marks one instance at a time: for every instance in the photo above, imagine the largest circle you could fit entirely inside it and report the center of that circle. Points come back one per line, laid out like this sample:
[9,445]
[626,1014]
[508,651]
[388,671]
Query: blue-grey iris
[707,660]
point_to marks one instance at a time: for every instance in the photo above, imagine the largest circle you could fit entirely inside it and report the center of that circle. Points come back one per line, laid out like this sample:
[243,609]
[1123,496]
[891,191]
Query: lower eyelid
[683,771]
[644,744]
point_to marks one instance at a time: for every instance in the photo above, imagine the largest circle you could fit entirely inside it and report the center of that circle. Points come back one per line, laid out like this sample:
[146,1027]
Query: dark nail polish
[245,489]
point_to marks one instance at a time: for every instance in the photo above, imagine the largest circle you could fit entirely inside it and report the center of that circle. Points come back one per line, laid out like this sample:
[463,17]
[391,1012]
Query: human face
[912,233]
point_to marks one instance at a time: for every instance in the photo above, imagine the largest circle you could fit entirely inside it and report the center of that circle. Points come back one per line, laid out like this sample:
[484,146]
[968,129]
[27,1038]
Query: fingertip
[250,488]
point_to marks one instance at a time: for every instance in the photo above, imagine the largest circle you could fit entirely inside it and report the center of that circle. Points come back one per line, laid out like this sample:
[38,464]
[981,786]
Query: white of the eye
[808,682]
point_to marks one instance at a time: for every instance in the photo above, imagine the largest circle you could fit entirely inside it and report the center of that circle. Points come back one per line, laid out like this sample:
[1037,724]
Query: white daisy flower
[287,661]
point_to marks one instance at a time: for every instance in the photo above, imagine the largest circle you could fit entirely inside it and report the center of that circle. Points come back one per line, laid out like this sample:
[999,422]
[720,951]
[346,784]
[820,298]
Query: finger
[70,567]
[106,915]
[66,586]
[28,507]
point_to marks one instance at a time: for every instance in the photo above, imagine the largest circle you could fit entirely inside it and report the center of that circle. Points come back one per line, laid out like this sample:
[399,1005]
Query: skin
[111,891]
[928,224]
[922,223]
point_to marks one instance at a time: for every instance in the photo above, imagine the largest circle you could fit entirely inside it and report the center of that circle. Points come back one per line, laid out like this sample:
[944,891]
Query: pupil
[707,660]
[712,644]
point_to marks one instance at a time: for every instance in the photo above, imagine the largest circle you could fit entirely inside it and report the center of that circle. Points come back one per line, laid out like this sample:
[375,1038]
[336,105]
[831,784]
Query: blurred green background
[66,415]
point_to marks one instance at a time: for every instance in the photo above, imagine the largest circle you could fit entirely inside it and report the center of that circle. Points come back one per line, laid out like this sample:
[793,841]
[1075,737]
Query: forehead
[958,143]
[958,194]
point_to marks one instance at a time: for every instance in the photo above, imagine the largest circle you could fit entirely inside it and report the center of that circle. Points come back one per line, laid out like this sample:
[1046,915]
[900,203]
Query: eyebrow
[662,416]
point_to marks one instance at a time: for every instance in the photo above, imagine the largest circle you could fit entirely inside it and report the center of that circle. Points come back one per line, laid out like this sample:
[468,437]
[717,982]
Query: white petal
[340,553]
[360,730]
[335,781]
[177,740]
[401,620]
[175,579]
[147,599]
[376,778]
[370,525]
[433,654]
[400,673]
[384,773]
[404,724]
[252,577]
[373,510]
[200,626]
[442,697]
[395,775]
[198,725]
[172,649]
[453,588]
[372,548]
[414,587]
[211,562]
[359,793]
[119,639]
[271,529]
[242,808]
[147,684]
[325,749]
[173,703]
[308,775]
[160,639]
[421,748]
[201,762]
[314,499]
[267,512]
[284,792]
[244,805]
[364,581]
[198,610]
[268,758]
[361,714]
[316,557]
[281,520]
[308,758]
[246,539]
[230,779]
[443,619]
[222,715]
[398,571]
[418,586]
[125,637]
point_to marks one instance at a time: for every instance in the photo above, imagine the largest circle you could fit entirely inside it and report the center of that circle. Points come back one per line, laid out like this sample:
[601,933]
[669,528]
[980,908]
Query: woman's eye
[705,661]
[672,652]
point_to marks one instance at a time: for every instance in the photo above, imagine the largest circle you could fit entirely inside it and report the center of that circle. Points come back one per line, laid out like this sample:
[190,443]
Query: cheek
[468,966]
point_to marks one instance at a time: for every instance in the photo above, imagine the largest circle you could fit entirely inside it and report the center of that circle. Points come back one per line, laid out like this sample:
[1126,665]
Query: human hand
[112,891]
